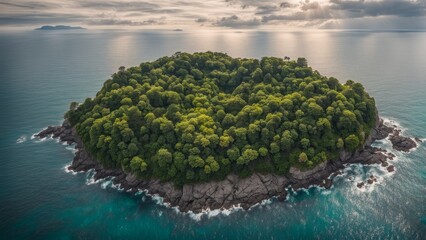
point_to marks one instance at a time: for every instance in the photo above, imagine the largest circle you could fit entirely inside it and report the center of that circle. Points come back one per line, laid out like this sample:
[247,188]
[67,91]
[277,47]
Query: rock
[48,131]
[298,174]
[418,140]
[391,168]
[360,184]
[327,183]
[382,131]
[402,143]
[372,179]
[369,155]
[385,164]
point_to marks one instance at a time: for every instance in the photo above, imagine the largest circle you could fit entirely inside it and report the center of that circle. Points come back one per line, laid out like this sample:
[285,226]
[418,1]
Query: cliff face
[233,190]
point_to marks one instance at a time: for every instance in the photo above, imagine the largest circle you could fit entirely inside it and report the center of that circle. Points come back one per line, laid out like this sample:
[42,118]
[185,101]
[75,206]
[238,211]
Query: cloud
[338,9]
[309,6]
[116,5]
[201,20]
[210,13]
[235,22]
[380,8]
[113,21]
[39,18]
[30,5]
[286,5]
[267,9]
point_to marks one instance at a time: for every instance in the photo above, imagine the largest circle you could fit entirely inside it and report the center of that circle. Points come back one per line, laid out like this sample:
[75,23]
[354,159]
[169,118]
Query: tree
[305,143]
[302,62]
[126,101]
[247,156]
[225,140]
[164,157]
[263,151]
[352,142]
[303,157]
[340,143]
[286,140]
[195,161]
[275,148]
[138,165]
[233,153]
[187,118]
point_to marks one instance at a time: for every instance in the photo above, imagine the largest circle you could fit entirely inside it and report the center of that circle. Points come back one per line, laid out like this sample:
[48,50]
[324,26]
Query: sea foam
[21,139]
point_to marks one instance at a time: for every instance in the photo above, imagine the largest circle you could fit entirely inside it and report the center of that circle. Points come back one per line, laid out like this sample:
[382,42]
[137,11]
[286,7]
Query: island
[208,131]
[58,27]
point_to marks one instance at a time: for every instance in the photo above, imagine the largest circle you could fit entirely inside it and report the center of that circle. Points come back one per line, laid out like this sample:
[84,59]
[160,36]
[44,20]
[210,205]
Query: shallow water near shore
[42,72]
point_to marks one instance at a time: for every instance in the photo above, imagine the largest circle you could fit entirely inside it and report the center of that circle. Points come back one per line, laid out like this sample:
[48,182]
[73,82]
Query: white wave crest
[195,216]
[326,192]
[107,182]
[90,178]
[213,213]
[67,170]
[21,139]
[41,140]
[361,174]
[71,148]
[388,121]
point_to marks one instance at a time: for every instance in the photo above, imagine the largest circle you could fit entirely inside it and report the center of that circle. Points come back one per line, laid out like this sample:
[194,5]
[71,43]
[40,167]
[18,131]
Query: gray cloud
[312,11]
[116,5]
[286,5]
[397,8]
[235,22]
[267,9]
[208,13]
[134,6]
[201,20]
[39,18]
[30,5]
[113,21]
[309,6]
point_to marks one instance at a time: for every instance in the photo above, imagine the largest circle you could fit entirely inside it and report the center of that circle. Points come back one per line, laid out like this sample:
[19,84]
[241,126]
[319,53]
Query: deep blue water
[42,72]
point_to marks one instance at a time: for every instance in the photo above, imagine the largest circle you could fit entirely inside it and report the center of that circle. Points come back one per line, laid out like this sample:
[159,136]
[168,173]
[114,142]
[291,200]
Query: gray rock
[391,168]
[402,143]
[299,174]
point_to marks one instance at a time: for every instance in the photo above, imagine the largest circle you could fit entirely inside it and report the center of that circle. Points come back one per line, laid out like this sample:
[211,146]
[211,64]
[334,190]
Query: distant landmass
[58,27]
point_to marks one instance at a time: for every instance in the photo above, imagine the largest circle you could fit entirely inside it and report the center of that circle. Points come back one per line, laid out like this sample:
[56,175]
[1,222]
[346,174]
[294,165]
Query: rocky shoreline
[234,190]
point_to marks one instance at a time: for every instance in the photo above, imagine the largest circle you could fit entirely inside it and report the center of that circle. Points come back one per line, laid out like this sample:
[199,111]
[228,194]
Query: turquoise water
[41,72]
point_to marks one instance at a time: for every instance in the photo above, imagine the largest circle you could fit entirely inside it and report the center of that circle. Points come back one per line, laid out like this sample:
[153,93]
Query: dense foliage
[194,117]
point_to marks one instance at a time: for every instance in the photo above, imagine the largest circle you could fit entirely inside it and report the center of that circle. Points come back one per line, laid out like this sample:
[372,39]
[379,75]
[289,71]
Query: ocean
[41,72]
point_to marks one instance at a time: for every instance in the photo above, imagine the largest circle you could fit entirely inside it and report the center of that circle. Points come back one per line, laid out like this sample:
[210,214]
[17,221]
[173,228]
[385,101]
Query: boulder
[402,143]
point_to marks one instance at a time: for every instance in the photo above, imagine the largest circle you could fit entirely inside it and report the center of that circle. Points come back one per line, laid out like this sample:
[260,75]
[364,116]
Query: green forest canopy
[197,117]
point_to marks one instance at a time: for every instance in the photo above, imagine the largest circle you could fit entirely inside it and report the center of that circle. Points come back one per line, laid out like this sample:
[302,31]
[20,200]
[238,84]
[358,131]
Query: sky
[216,14]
